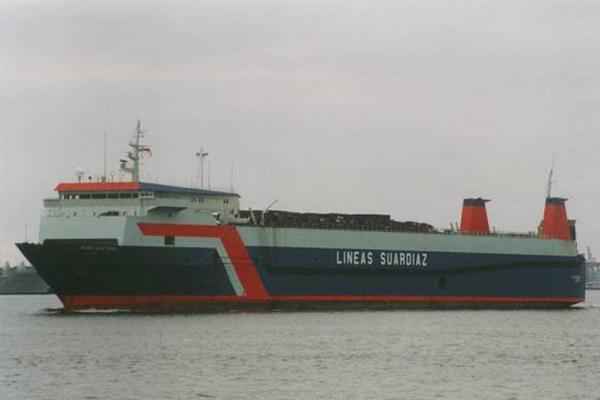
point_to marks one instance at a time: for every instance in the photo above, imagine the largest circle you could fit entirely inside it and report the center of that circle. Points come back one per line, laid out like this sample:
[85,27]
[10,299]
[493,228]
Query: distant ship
[21,279]
[592,271]
[133,244]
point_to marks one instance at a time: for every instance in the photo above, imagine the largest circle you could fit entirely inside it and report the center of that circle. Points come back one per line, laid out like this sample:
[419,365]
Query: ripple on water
[49,353]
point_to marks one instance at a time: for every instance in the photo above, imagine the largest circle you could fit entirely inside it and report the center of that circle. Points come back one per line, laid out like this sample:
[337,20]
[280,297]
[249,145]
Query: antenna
[105,140]
[104,175]
[209,174]
[231,180]
[201,155]
[550,176]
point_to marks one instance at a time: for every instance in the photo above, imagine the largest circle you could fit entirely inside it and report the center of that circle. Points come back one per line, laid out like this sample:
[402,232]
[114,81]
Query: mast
[201,156]
[135,153]
[549,186]
[550,176]
[104,174]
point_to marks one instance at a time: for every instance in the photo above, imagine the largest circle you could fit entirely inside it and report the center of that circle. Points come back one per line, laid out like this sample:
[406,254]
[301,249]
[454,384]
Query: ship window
[134,195]
[85,196]
[226,201]
[169,240]
[113,195]
[99,196]
[109,214]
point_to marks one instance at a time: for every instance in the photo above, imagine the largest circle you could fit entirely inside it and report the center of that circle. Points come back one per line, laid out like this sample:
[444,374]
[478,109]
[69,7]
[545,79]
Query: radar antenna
[201,156]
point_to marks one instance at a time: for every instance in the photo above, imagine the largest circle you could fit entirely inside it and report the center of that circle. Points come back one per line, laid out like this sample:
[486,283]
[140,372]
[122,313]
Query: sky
[395,107]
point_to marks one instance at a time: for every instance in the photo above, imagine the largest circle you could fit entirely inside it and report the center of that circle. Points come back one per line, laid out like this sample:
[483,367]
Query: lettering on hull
[368,258]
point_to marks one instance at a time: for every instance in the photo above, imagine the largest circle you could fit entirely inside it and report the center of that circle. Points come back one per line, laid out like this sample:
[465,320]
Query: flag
[146,149]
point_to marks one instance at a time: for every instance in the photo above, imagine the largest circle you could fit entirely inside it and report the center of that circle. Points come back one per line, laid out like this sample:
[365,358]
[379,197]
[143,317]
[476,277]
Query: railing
[448,232]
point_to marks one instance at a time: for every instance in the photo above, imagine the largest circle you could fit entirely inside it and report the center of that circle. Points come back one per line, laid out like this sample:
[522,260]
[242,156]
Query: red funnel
[474,218]
[555,224]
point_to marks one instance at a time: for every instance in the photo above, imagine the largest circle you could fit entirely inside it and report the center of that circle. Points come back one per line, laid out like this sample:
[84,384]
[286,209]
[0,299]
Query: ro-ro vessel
[144,245]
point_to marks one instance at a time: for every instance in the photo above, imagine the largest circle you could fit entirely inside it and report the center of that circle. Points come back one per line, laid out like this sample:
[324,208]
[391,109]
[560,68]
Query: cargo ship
[138,245]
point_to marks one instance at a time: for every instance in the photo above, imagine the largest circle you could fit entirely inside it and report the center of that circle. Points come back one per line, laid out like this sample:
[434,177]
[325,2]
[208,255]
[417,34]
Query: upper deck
[100,199]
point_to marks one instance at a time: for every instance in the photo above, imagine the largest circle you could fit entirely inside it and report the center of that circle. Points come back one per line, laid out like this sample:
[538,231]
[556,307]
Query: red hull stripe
[234,246]
[434,299]
[81,301]
[97,187]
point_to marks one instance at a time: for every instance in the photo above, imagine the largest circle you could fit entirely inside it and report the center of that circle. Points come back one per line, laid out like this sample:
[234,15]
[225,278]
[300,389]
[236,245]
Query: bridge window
[109,214]
[169,240]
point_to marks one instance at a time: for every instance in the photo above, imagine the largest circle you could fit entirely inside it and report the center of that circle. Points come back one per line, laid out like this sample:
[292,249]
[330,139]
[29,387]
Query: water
[46,354]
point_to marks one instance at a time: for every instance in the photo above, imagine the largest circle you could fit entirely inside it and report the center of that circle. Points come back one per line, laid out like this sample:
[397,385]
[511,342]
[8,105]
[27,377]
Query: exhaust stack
[555,224]
[474,220]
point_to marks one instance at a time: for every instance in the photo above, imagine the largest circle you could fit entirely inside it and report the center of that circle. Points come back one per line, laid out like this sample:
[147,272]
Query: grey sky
[400,107]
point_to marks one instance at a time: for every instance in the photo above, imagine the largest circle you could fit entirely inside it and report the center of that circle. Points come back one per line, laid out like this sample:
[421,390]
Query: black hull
[103,275]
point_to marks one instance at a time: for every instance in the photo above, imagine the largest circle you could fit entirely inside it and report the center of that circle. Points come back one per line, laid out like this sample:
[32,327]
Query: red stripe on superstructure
[234,246]
[158,301]
[97,187]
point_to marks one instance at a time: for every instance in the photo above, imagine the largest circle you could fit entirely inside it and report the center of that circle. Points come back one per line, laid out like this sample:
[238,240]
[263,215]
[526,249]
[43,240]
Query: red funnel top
[474,218]
[555,224]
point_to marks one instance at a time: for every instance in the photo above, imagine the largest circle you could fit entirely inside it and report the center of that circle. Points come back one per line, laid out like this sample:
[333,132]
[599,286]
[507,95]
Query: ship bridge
[110,199]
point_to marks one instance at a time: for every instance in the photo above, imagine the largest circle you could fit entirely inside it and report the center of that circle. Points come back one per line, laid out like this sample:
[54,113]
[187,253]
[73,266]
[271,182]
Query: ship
[592,271]
[132,244]
[21,279]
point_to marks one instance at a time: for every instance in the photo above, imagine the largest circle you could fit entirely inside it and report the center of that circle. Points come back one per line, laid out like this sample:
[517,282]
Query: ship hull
[243,274]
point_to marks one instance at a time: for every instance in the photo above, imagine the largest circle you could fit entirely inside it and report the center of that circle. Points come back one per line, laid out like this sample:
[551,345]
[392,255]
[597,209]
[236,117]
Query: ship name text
[381,258]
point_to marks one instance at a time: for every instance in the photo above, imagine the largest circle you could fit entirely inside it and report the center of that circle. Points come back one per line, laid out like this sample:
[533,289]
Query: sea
[46,353]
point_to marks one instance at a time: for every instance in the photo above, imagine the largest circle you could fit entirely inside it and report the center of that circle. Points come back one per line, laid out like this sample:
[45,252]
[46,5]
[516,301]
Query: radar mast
[135,153]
